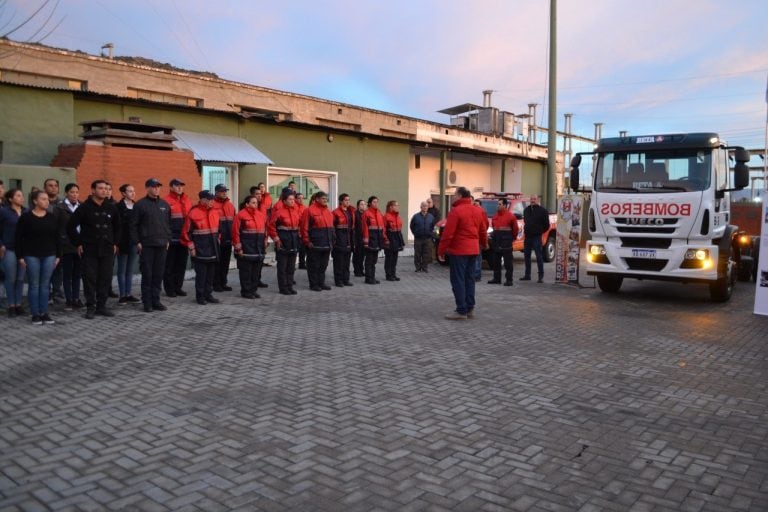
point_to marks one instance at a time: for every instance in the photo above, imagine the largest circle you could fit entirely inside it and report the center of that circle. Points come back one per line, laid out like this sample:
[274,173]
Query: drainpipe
[443,201]
[503,174]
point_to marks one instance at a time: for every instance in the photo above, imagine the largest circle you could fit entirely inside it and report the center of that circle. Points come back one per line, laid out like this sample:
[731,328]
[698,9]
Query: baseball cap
[205,194]
[221,188]
[176,181]
[152,182]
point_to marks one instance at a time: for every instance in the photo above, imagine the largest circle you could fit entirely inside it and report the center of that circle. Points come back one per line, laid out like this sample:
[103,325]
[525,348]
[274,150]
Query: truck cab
[661,210]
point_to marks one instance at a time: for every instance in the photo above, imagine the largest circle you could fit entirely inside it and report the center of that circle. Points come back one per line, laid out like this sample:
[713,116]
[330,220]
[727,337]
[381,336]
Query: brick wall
[119,165]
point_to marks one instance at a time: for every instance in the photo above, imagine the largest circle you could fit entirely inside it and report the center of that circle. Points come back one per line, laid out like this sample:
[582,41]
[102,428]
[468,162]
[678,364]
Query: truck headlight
[697,254]
[597,254]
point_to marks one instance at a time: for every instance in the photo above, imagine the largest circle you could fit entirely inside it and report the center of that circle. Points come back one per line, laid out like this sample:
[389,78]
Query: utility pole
[551,181]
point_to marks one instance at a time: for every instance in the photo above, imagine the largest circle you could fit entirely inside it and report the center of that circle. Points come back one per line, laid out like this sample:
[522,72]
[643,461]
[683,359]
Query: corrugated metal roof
[210,147]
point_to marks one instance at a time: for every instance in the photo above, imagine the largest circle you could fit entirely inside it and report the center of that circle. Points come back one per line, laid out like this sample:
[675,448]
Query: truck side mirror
[741,155]
[740,175]
[575,162]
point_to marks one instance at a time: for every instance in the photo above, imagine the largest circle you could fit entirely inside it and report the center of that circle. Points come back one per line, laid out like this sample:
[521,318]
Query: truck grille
[645,229]
[645,264]
[650,243]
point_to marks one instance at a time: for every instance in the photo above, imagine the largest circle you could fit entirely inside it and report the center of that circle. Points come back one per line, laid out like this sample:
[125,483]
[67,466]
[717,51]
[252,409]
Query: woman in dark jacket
[14,272]
[70,260]
[126,256]
[38,248]
[358,254]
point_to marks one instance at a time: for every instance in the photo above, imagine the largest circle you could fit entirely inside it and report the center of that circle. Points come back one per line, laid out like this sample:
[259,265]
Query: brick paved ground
[553,398]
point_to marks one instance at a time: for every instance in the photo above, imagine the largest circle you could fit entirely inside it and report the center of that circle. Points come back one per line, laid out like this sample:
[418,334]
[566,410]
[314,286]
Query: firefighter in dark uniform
[200,235]
[226,211]
[374,238]
[284,231]
[358,251]
[317,233]
[344,224]
[249,239]
[504,233]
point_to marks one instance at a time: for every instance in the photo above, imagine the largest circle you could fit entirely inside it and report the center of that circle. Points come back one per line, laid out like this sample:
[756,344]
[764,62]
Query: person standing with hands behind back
[536,219]
[463,237]
[38,248]
[201,235]
[151,232]
[96,242]
[394,229]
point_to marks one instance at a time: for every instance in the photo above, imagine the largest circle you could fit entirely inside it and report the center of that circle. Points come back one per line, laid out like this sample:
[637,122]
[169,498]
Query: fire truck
[660,210]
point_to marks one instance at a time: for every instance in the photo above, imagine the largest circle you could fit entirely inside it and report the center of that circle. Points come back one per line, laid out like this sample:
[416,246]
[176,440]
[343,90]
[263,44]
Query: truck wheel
[722,289]
[609,284]
[549,249]
[745,268]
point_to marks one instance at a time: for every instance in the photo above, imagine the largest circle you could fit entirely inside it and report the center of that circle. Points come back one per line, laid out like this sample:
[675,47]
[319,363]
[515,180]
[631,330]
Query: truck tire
[722,289]
[609,283]
[548,251]
[745,268]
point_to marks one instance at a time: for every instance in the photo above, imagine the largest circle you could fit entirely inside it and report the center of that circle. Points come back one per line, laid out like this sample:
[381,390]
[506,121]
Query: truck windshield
[678,170]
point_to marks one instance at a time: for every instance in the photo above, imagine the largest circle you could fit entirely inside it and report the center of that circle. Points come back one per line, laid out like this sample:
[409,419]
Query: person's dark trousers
[358,261]
[533,243]
[371,258]
[341,266]
[175,268]
[286,266]
[504,256]
[152,266]
[57,280]
[463,282]
[390,263]
[317,263]
[302,256]
[71,270]
[422,253]
[222,267]
[97,279]
[204,271]
[250,275]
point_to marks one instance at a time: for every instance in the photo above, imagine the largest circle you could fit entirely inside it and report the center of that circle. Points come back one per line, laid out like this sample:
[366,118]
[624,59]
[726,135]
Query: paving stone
[553,398]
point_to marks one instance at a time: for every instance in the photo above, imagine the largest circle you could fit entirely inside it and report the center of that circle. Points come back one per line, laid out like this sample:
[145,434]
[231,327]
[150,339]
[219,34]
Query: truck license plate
[644,253]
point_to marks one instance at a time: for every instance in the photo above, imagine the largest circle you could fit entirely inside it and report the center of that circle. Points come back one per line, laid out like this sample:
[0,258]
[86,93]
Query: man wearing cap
[176,259]
[226,211]
[150,230]
[200,235]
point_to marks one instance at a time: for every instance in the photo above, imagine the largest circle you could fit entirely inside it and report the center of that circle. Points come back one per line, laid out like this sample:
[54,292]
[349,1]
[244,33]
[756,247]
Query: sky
[649,66]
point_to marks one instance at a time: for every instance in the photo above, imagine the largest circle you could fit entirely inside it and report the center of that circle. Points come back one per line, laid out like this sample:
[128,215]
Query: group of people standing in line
[82,240]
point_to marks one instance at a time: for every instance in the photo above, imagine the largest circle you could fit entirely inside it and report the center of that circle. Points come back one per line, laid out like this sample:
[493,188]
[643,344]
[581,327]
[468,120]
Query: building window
[417,161]
[35,79]
[164,97]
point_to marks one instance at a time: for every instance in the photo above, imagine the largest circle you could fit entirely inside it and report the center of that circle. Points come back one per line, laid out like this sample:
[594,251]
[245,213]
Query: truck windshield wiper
[672,187]
[613,187]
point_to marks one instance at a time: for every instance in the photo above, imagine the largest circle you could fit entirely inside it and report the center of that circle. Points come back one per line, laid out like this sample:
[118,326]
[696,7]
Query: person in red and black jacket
[344,224]
[465,233]
[284,231]
[249,239]
[374,238]
[394,230]
[302,248]
[358,251]
[226,211]
[176,261]
[504,233]
[318,234]
[200,235]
